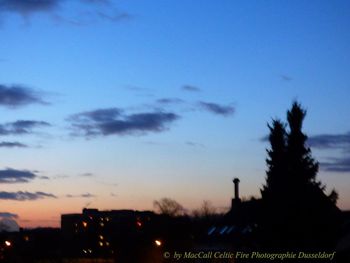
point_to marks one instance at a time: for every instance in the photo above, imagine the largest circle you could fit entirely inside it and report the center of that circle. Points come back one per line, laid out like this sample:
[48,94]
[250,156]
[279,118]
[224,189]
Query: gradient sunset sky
[114,104]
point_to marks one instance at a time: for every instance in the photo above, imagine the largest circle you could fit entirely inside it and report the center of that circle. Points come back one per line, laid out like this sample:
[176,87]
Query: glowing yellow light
[26,238]
[107,244]
[84,224]
[101,224]
[158,242]
[8,243]
[101,237]
[100,243]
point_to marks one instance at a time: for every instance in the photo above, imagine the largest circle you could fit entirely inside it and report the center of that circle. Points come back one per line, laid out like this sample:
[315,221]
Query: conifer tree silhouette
[298,213]
[276,161]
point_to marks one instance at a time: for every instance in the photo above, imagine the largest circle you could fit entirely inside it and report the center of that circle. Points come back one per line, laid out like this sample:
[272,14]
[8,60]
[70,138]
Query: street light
[158,242]
[8,243]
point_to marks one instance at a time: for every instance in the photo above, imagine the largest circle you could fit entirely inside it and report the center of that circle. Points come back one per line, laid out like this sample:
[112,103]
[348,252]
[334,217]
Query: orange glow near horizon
[47,212]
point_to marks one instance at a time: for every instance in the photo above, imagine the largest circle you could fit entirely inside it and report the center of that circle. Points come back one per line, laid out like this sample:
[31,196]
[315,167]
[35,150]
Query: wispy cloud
[327,141]
[286,78]
[21,127]
[87,174]
[169,101]
[12,145]
[10,176]
[18,96]
[8,215]
[218,109]
[341,164]
[26,7]
[114,121]
[24,196]
[340,142]
[190,88]
[116,16]
[86,195]
[97,9]
[194,144]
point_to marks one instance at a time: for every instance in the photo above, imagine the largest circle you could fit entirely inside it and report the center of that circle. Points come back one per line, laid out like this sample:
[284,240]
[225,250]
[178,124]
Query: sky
[114,104]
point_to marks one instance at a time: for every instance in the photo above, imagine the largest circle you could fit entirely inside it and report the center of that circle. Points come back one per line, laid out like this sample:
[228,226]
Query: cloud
[194,144]
[115,17]
[114,121]
[21,127]
[86,195]
[87,174]
[18,96]
[25,7]
[286,78]
[88,11]
[100,115]
[330,141]
[24,196]
[169,101]
[8,215]
[10,176]
[340,142]
[337,165]
[190,88]
[12,145]
[217,109]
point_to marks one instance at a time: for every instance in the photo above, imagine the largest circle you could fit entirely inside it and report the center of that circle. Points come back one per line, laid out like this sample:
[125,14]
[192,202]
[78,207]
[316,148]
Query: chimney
[236,183]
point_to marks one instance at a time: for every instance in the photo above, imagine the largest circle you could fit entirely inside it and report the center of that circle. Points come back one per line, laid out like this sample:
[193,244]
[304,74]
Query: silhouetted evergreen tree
[301,165]
[298,214]
[276,161]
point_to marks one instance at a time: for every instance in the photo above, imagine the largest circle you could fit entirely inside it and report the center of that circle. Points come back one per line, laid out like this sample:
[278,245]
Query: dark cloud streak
[190,88]
[21,127]
[339,142]
[10,176]
[12,145]
[169,101]
[113,121]
[86,195]
[330,141]
[217,108]
[101,9]
[24,196]
[341,165]
[18,96]
[25,7]
[8,215]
